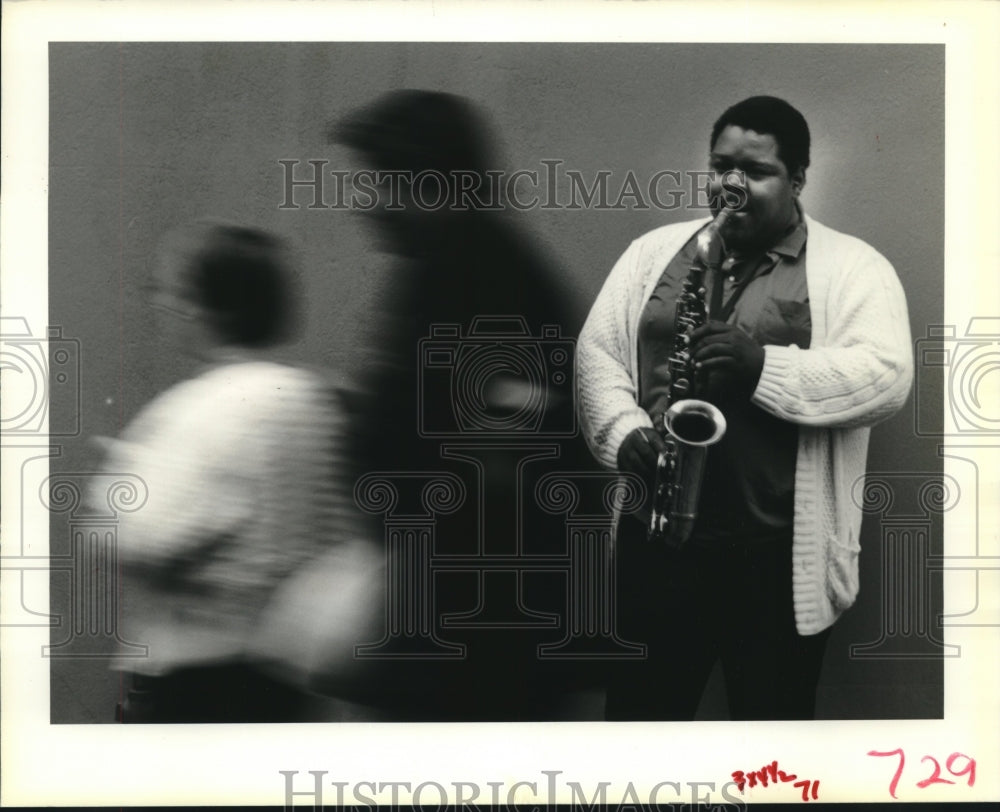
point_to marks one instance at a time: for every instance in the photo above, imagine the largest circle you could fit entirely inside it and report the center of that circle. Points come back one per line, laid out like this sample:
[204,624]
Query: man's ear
[798,180]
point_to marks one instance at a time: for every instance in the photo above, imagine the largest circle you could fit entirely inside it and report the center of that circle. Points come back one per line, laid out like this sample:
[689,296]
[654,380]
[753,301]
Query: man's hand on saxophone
[727,360]
[639,452]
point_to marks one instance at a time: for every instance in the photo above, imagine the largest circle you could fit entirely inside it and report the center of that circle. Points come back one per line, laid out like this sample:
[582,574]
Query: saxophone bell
[694,422]
[690,427]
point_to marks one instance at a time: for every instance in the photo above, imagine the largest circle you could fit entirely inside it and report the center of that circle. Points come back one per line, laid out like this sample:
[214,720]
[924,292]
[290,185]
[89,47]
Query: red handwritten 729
[969,769]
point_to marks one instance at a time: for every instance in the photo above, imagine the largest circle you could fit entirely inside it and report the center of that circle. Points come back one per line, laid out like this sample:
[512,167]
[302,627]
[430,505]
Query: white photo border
[229,765]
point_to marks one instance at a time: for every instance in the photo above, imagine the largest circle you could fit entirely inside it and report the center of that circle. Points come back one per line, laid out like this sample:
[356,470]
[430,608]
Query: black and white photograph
[402,406]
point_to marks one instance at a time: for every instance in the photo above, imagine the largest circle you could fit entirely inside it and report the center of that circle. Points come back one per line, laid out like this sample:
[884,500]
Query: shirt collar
[791,243]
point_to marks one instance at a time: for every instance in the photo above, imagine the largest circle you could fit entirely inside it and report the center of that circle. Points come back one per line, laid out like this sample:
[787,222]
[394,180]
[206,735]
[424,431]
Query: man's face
[770,190]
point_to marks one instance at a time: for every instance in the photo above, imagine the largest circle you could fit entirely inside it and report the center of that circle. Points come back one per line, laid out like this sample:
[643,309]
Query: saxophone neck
[711,244]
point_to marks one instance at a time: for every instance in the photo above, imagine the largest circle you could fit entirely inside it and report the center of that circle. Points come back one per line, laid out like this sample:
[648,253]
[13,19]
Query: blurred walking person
[237,463]
[464,268]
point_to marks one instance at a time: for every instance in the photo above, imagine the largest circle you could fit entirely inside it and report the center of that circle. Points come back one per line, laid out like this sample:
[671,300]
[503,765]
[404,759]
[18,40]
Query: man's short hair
[239,276]
[772,116]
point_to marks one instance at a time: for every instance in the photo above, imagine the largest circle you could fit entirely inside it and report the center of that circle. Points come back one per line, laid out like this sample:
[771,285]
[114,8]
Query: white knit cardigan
[857,371]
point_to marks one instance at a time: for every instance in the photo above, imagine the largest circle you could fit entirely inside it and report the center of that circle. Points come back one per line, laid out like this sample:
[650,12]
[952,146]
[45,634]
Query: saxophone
[688,426]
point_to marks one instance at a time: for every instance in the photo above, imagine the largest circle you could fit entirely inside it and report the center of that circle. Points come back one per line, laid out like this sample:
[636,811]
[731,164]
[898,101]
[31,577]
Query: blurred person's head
[440,139]
[225,285]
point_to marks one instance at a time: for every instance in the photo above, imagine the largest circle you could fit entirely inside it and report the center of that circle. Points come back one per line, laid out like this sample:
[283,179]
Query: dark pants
[704,603]
[224,693]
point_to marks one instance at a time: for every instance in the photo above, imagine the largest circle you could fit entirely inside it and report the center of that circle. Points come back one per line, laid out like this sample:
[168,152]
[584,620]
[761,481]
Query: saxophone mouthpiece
[721,217]
[711,243]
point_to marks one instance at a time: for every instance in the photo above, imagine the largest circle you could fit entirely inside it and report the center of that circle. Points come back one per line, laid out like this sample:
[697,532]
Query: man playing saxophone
[806,344]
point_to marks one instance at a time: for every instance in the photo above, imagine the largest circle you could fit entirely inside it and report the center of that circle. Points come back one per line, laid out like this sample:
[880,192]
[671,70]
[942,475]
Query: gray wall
[144,137]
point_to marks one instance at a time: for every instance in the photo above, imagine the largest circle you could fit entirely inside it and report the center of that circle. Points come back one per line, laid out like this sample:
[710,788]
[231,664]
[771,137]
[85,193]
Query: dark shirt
[748,491]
